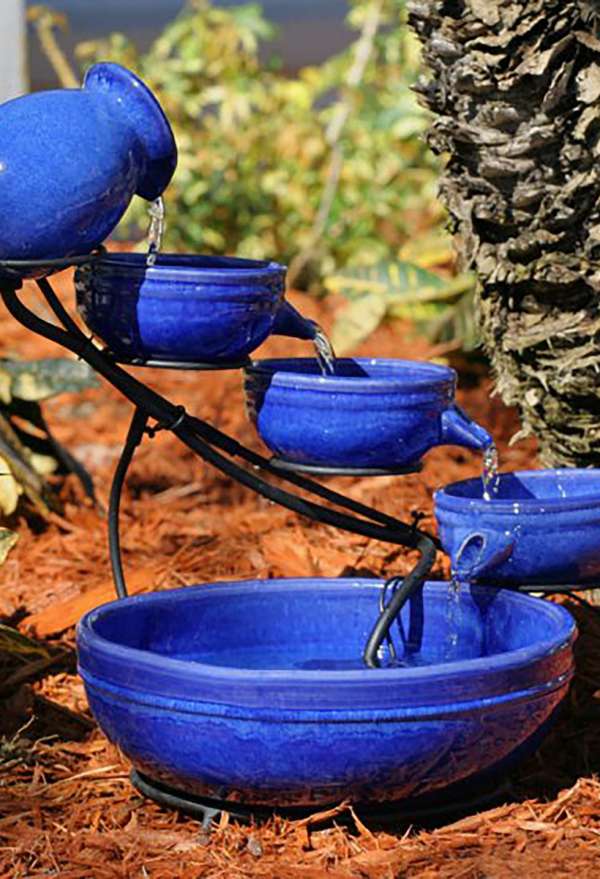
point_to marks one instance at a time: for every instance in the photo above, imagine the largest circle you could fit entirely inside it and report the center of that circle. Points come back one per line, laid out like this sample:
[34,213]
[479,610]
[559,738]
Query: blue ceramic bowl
[542,526]
[185,308]
[255,691]
[373,413]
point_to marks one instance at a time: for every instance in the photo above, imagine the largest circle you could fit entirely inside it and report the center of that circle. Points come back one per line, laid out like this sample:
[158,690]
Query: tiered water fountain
[286,693]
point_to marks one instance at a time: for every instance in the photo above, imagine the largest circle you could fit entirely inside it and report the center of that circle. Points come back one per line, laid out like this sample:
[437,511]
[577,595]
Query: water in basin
[308,629]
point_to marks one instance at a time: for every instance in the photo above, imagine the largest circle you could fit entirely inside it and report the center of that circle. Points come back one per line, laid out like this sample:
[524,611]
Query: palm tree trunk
[515,89]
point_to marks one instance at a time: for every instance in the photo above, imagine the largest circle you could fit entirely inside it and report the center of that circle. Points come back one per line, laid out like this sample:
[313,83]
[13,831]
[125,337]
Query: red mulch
[67,807]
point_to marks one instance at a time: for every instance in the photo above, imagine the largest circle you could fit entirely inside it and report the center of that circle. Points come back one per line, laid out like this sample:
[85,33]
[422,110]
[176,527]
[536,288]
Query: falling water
[490,479]
[324,352]
[452,618]
[156,229]
[489,475]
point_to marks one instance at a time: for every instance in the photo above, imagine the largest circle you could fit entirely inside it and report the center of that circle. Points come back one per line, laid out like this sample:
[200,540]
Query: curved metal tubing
[200,437]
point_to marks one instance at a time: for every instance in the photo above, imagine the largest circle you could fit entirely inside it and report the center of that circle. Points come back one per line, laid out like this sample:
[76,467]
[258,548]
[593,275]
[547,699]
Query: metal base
[318,470]
[199,366]
[432,809]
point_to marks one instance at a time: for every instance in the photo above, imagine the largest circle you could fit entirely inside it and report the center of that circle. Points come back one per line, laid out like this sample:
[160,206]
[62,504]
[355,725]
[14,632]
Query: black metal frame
[428,810]
[217,449]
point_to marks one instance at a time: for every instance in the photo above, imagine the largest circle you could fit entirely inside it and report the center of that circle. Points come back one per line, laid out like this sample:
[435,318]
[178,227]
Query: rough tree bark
[515,89]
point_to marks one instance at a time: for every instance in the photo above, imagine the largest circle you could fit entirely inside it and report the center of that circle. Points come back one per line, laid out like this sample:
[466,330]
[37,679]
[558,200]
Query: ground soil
[67,807]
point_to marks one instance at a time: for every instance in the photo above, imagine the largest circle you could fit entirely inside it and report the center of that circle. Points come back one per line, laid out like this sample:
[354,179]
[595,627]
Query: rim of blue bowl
[287,372]
[192,268]
[390,688]
[445,500]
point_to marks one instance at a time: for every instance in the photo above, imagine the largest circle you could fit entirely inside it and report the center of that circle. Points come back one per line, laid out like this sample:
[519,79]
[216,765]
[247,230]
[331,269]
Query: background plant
[29,453]
[325,170]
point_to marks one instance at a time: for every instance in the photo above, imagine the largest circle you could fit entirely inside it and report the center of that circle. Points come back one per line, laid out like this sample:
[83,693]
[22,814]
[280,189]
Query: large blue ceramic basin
[373,413]
[185,308]
[542,526]
[255,691]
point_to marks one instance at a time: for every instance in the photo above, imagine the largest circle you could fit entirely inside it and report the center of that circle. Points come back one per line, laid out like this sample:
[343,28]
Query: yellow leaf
[8,539]
[357,321]
[10,490]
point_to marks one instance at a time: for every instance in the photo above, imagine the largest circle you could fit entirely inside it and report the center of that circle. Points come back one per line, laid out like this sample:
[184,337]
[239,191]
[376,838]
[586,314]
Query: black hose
[132,441]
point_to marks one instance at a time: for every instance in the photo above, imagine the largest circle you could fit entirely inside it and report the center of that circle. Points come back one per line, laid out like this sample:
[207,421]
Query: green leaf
[357,321]
[458,323]
[401,290]
[16,644]
[392,281]
[42,379]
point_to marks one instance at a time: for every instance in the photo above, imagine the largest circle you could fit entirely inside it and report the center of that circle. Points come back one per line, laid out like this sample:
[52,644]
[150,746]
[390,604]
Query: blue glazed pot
[255,691]
[186,308]
[370,414]
[72,159]
[542,526]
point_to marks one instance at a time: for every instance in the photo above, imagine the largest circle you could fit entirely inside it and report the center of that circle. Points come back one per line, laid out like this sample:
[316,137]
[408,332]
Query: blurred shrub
[254,151]
[326,170]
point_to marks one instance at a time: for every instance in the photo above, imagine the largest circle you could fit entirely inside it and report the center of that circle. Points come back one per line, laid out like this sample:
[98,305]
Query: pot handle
[480,552]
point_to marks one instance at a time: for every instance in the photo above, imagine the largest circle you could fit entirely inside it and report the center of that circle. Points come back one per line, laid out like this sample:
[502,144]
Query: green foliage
[254,151]
[441,305]
[326,170]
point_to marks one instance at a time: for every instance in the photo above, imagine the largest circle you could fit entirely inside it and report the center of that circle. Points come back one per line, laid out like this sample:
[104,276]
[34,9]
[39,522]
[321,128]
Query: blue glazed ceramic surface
[370,414]
[72,159]
[186,308]
[255,690]
[542,526]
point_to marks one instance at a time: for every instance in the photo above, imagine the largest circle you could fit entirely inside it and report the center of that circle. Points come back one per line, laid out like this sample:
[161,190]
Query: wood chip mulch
[67,808]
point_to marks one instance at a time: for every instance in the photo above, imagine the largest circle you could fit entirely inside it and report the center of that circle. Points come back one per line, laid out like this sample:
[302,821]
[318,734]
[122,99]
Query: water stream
[155,230]
[489,475]
[453,618]
[490,480]
[324,352]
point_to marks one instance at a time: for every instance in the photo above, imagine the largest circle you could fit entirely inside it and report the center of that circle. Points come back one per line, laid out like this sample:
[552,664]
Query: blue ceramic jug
[72,159]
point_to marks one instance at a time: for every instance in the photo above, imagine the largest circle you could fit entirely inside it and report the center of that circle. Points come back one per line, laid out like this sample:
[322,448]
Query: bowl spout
[460,430]
[289,322]
[479,552]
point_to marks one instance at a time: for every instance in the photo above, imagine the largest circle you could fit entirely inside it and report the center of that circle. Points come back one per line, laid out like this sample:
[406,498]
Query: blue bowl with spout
[206,309]
[540,526]
[256,692]
[371,414]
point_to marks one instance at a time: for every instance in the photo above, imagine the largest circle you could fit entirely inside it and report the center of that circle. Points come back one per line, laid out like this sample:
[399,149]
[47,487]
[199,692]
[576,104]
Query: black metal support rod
[227,444]
[132,441]
[191,432]
[233,447]
[162,410]
[401,590]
